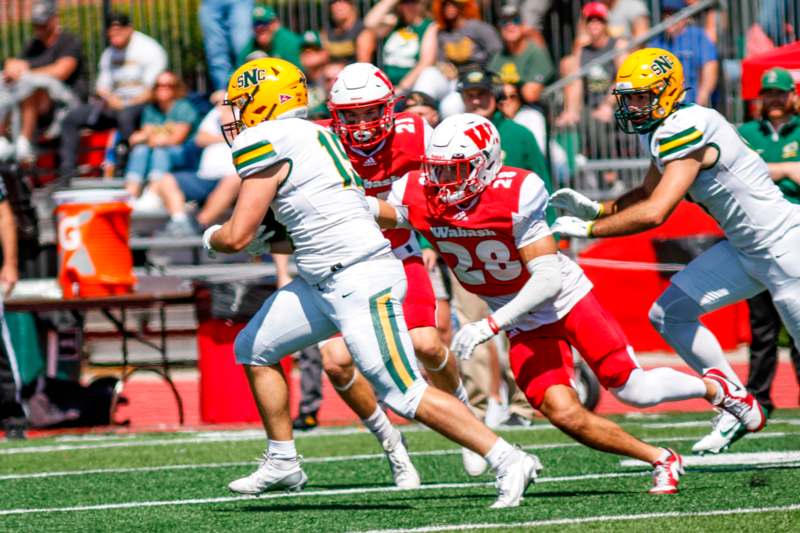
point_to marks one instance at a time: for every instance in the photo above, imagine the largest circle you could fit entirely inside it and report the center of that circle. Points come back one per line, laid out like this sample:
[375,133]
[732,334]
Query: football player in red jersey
[488,222]
[384,146]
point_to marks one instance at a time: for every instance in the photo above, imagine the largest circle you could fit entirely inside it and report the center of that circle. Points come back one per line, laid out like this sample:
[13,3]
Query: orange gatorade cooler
[93,253]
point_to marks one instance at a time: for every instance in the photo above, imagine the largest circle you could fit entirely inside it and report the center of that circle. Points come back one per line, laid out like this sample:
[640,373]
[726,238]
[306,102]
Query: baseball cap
[476,79]
[595,10]
[42,11]
[118,19]
[672,6]
[263,15]
[310,39]
[777,78]
[416,98]
[509,14]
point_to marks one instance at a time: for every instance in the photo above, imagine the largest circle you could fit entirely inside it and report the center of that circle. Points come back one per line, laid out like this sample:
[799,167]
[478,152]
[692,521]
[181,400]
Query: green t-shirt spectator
[182,111]
[285,45]
[401,49]
[782,146]
[532,65]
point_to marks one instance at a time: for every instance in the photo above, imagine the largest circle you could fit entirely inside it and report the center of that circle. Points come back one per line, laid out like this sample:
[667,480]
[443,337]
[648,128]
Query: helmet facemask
[363,125]
[641,119]
[237,106]
[456,179]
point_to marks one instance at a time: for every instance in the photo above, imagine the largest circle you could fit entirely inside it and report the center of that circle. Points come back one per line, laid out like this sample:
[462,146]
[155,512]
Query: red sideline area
[152,406]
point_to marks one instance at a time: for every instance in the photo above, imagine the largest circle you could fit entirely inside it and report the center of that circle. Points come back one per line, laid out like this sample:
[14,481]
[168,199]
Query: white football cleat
[474,464]
[403,471]
[667,474]
[513,476]
[272,474]
[726,430]
[738,402]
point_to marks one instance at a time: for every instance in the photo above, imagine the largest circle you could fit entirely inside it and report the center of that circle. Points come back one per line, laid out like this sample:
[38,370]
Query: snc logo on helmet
[662,65]
[253,77]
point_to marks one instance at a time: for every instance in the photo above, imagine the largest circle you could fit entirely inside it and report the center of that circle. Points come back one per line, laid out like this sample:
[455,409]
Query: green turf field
[177,482]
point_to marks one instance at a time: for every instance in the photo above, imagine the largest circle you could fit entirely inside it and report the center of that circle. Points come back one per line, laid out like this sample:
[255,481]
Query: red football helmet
[362,105]
[462,158]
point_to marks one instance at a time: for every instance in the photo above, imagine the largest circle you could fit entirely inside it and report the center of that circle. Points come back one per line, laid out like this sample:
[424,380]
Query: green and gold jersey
[321,202]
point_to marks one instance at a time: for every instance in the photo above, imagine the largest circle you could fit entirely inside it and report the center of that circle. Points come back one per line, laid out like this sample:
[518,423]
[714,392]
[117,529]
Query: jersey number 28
[494,255]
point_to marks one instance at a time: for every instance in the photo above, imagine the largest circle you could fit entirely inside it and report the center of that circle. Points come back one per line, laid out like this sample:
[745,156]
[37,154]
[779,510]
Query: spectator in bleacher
[127,71]
[214,184]
[776,138]
[521,61]
[409,39]
[313,59]
[12,416]
[227,27]
[520,149]
[696,52]
[160,145]
[627,19]
[329,73]
[271,37]
[346,40]
[42,83]
[423,105]
[511,105]
[464,42]
[708,20]
[593,91]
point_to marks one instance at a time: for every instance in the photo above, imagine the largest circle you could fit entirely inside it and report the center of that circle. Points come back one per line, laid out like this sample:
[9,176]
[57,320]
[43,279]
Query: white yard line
[591,520]
[310,493]
[91,441]
[754,458]
[331,459]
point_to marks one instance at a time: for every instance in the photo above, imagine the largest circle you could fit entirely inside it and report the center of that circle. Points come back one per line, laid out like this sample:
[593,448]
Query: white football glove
[212,253]
[572,227]
[576,204]
[470,336]
[260,244]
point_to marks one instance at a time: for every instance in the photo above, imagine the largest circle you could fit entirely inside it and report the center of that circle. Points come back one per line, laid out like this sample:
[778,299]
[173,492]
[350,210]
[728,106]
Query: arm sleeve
[530,221]
[254,151]
[679,135]
[543,285]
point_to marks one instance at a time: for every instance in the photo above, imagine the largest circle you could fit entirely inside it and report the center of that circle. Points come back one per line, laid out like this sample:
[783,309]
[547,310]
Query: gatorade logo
[480,135]
[69,233]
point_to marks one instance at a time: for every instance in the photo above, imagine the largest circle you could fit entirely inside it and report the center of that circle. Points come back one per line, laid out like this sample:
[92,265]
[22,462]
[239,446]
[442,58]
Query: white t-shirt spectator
[129,72]
[216,161]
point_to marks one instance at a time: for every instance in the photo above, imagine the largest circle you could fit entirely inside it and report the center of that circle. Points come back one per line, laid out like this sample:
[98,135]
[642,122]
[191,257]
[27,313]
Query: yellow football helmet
[651,71]
[265,89]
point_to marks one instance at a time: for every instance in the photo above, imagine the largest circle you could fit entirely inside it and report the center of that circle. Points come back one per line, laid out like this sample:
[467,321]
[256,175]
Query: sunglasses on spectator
[171,85]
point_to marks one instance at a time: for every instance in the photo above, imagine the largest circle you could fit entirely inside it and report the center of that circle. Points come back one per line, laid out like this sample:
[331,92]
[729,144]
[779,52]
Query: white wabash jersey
[321,202]
[737,191]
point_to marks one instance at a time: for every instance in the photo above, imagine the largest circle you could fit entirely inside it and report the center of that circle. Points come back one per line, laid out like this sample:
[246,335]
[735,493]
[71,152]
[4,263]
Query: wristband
[589,227]
[600,211]
[374,206]
[492,324]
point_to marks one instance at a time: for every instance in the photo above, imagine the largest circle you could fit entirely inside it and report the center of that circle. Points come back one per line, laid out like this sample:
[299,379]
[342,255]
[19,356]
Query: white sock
[179,217]
[498,453]
[380,426]
[461,394]
[651,387]
[282,449]
[665,453]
